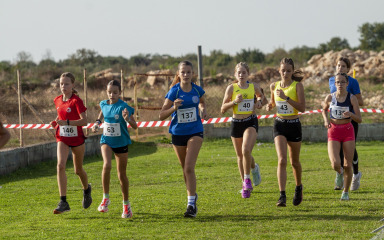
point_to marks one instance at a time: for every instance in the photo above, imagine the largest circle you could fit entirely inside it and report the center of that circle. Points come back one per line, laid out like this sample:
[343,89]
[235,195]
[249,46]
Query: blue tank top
[115,130]
[186,120]
[337,108]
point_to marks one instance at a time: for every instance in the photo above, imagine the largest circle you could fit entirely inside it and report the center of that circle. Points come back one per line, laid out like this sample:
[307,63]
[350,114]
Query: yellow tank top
[284,108]
[246,106]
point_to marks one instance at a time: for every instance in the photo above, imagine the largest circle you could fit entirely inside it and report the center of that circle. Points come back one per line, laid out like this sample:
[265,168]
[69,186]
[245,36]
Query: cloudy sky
[176,27]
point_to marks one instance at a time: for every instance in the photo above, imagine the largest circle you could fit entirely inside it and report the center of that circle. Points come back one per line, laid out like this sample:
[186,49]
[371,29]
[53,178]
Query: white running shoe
[127,211]
[356,181]
[103,207]
[339,181]
[344,196]
[256,175]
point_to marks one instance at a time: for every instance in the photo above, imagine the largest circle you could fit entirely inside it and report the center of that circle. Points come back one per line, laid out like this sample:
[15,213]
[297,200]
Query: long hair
[239,65]
[297,75]
[176,80]
[72,77]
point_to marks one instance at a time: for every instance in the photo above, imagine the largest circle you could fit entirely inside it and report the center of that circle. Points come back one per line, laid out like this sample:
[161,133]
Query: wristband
[98,121]
[68,122]
[287,99]
[235,103]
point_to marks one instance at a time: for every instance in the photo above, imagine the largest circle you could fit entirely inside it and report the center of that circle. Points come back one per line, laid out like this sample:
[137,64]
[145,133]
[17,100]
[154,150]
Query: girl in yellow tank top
[247,105]
[283,107]
[240,96]
[288,96]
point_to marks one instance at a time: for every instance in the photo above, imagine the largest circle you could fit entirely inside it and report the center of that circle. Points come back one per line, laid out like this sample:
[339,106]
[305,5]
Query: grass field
[158,198]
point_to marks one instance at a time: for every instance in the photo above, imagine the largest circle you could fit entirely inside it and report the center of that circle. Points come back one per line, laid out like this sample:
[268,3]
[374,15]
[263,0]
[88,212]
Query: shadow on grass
[163,218]
[48,168]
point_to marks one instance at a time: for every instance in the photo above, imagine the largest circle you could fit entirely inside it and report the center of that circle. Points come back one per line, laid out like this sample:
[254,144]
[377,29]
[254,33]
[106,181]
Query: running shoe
[344,196]
[247,188]
[298,197]
[256,175]
[87,198]
[62,207]
[282,202]
[247,185]
[127,211]
[339,181]
[191,212]
[356,181]
[103,207]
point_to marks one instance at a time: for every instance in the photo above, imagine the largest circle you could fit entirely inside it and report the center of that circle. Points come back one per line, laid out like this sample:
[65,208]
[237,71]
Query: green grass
[158,198]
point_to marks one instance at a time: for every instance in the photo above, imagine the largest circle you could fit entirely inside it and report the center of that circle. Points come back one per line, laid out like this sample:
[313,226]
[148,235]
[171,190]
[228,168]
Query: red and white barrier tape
[167,123]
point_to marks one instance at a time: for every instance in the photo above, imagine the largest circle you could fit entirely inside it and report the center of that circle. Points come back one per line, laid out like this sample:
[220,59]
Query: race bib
[112,129]
[337,111]
[246,105]
[68,131]
[186,115]
[284,108]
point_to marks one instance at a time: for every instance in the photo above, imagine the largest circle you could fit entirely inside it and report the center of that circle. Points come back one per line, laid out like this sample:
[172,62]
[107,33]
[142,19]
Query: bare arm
[129,119]
[300,104]
[4,135]
[360,99]
[202,108]
[325,106]
[227,103]
[357,115]
[168,108]
[272,103]
[259,97]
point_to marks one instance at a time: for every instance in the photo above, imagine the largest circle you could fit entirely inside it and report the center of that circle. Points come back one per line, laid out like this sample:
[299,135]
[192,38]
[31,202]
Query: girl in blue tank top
[184,102]
[115,139]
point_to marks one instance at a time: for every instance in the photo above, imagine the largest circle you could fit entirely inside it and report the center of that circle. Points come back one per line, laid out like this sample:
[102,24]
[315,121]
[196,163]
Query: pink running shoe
[247,188]
[103,207]
[127,212]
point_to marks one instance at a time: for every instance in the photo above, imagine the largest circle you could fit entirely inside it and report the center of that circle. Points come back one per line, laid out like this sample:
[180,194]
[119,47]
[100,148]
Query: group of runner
[185,104]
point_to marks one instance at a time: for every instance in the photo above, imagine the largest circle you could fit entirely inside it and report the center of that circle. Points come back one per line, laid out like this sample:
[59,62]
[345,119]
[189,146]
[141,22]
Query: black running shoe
[282,201]
[191,212]
[87,198]
[298,198]
[62,207]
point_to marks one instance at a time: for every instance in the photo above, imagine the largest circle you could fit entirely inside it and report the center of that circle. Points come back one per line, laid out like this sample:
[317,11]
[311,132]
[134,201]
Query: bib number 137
[186,115]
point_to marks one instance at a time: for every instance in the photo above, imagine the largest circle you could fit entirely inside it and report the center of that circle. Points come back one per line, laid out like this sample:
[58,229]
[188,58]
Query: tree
[276,56]
[219,59]
[140,60]
[302,54]
[250,56]
[24,60]
[335,44]
[372,36]
[83,56]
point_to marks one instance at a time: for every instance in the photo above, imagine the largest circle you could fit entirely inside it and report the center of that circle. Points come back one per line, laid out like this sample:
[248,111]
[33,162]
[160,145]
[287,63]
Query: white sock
[191,200]
[247,176]
[253,169]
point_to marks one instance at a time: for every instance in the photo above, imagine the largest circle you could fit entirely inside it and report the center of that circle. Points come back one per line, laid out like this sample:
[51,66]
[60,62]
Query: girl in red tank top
[69,134]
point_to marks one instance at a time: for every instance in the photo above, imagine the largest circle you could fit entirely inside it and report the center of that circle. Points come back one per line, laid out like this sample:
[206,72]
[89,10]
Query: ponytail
[297,75]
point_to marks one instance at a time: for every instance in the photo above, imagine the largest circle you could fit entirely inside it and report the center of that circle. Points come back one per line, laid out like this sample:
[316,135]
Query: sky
[56,29]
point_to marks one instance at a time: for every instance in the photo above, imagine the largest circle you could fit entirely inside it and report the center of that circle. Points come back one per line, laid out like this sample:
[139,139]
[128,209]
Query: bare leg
[122,160]
[106,152]
[294,155]
[78,157]
[62,155]
[281,150]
